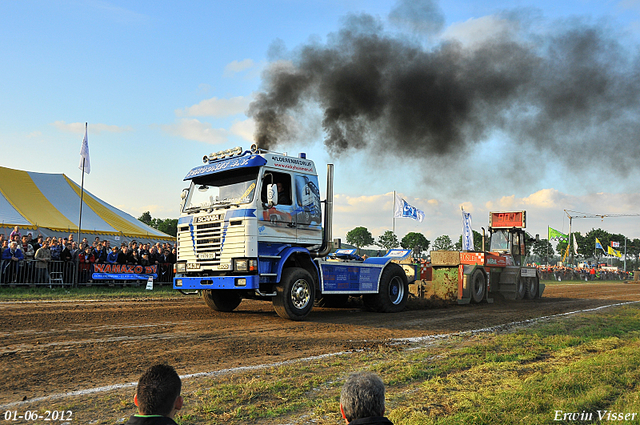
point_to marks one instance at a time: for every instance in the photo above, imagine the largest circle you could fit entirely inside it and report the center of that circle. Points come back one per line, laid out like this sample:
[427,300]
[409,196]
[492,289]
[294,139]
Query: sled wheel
[521,288]
[478,286]
[221,300]
[533,285]
[294,294]
[393,291]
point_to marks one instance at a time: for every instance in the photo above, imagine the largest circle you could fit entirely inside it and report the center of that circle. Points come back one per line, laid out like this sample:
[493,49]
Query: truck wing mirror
[272,195]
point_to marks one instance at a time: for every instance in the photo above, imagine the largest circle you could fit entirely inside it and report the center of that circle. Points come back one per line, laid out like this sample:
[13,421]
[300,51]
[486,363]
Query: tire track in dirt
[61,347]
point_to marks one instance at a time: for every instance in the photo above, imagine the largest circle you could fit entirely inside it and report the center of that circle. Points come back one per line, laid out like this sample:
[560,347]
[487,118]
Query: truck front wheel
[295,294]
[393,291]
[221,300]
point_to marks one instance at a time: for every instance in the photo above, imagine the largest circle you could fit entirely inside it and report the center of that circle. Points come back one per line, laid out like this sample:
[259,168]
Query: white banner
[467,232]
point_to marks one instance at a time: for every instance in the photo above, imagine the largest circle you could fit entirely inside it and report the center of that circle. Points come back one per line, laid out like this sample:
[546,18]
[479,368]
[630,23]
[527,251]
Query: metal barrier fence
[66,273]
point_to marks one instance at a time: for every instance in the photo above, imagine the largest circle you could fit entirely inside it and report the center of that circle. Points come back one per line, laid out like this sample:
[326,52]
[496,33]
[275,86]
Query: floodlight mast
[577,214]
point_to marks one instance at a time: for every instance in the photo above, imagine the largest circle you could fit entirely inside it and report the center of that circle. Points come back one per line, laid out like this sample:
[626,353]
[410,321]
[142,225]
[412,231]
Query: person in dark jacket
[157,396]
[362,400]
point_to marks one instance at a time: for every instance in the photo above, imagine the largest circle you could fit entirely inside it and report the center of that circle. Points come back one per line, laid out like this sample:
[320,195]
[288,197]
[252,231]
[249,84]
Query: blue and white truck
[251,227]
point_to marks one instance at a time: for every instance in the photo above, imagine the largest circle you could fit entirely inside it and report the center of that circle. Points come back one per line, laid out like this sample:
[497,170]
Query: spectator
[362,399]
[11,258]
[122,255]
[43,257]
[157,396]
[55,249]
[112,258]
[100,254]
[15,235]
[27,250]
[67,256]
[86,260]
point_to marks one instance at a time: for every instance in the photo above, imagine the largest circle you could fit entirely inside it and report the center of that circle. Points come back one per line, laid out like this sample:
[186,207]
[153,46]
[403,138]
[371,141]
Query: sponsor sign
[291,164]
[227,164]
[123,272]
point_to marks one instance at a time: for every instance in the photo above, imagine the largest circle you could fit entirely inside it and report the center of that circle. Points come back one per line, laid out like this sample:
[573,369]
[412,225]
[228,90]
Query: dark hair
[158,389]
[362,396]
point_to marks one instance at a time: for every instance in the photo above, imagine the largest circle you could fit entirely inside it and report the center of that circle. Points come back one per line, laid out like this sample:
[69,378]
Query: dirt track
[58,347]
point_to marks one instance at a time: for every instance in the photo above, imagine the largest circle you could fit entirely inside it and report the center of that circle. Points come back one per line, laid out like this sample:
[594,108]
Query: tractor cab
[507,236]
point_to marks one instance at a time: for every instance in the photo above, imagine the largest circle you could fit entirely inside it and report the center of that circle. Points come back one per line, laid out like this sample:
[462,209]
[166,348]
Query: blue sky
[163,83]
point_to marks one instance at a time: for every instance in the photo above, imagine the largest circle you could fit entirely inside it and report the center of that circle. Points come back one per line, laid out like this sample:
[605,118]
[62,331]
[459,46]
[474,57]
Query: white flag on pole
[404,210]
[85,164]
[575,245]
[467,231]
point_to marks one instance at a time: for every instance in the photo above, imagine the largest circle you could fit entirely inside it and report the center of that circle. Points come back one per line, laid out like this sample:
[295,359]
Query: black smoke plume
[571,93]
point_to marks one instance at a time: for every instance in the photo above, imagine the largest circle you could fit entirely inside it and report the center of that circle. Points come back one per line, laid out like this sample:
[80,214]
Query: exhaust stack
[327,233]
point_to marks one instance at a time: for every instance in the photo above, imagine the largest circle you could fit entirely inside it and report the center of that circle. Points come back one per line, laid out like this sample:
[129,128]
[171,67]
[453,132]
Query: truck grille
[204,246]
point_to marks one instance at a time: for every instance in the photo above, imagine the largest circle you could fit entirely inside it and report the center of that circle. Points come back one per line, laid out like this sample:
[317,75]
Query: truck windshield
[231,188]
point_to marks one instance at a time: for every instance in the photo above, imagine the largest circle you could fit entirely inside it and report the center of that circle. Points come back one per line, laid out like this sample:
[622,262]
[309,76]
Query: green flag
[554,235]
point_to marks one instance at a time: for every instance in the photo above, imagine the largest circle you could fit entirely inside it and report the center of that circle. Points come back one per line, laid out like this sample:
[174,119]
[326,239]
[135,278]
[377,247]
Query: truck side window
[283,182]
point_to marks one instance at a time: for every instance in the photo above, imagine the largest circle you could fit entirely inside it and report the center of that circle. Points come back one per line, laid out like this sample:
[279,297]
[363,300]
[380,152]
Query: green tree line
[168,225]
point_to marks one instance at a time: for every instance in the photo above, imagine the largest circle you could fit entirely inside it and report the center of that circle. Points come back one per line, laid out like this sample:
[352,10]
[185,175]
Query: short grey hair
[362,396]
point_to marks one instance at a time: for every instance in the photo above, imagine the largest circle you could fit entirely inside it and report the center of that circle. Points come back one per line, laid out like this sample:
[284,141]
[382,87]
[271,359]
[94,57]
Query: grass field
[570,370]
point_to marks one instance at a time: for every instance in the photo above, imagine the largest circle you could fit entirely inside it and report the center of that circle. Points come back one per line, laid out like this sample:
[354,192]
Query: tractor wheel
[478,286]
[333,301]
[393,291]
[221,300]
[295,294]
[533,286]
[521,288]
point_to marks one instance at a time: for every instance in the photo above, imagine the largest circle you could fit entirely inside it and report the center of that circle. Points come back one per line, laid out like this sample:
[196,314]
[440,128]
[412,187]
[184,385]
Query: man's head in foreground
[362,396]
[158,391]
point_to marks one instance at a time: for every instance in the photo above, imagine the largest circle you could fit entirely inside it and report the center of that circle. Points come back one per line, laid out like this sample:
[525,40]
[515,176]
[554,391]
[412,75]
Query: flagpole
[393,213]
[81,193]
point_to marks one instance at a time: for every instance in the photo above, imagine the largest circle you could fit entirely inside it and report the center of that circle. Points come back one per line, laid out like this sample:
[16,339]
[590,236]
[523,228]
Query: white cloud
[192,129]
[78,127]
[478,30]
[215,107]
[236,67]
[245,129]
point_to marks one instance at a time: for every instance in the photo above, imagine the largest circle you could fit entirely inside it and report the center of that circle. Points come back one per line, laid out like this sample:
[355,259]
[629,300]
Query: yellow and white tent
[50,204]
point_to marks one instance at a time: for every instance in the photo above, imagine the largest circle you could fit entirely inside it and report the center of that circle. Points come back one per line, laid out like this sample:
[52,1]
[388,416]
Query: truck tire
[333,301]
[478,286]
[221,300]
[521,288]
[533,286]
[393,291]
[295,294]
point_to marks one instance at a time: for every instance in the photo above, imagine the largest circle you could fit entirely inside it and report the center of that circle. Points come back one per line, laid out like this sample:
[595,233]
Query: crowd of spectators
[26,259]
[561,273]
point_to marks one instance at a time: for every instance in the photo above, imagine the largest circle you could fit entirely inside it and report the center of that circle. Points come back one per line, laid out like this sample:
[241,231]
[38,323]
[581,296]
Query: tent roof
[31,200]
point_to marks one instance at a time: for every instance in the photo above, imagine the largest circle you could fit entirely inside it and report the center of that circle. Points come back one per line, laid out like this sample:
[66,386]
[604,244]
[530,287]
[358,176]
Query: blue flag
[404,210]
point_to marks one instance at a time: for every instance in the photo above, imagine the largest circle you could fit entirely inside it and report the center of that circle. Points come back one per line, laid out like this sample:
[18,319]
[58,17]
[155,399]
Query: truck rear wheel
[221,300]
[478,286]
[533,285]
[295,294]
[393,291]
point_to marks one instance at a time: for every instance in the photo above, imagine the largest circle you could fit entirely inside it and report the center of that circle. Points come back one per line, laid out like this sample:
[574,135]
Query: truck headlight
[245,265]
[178,282]
[181,267]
